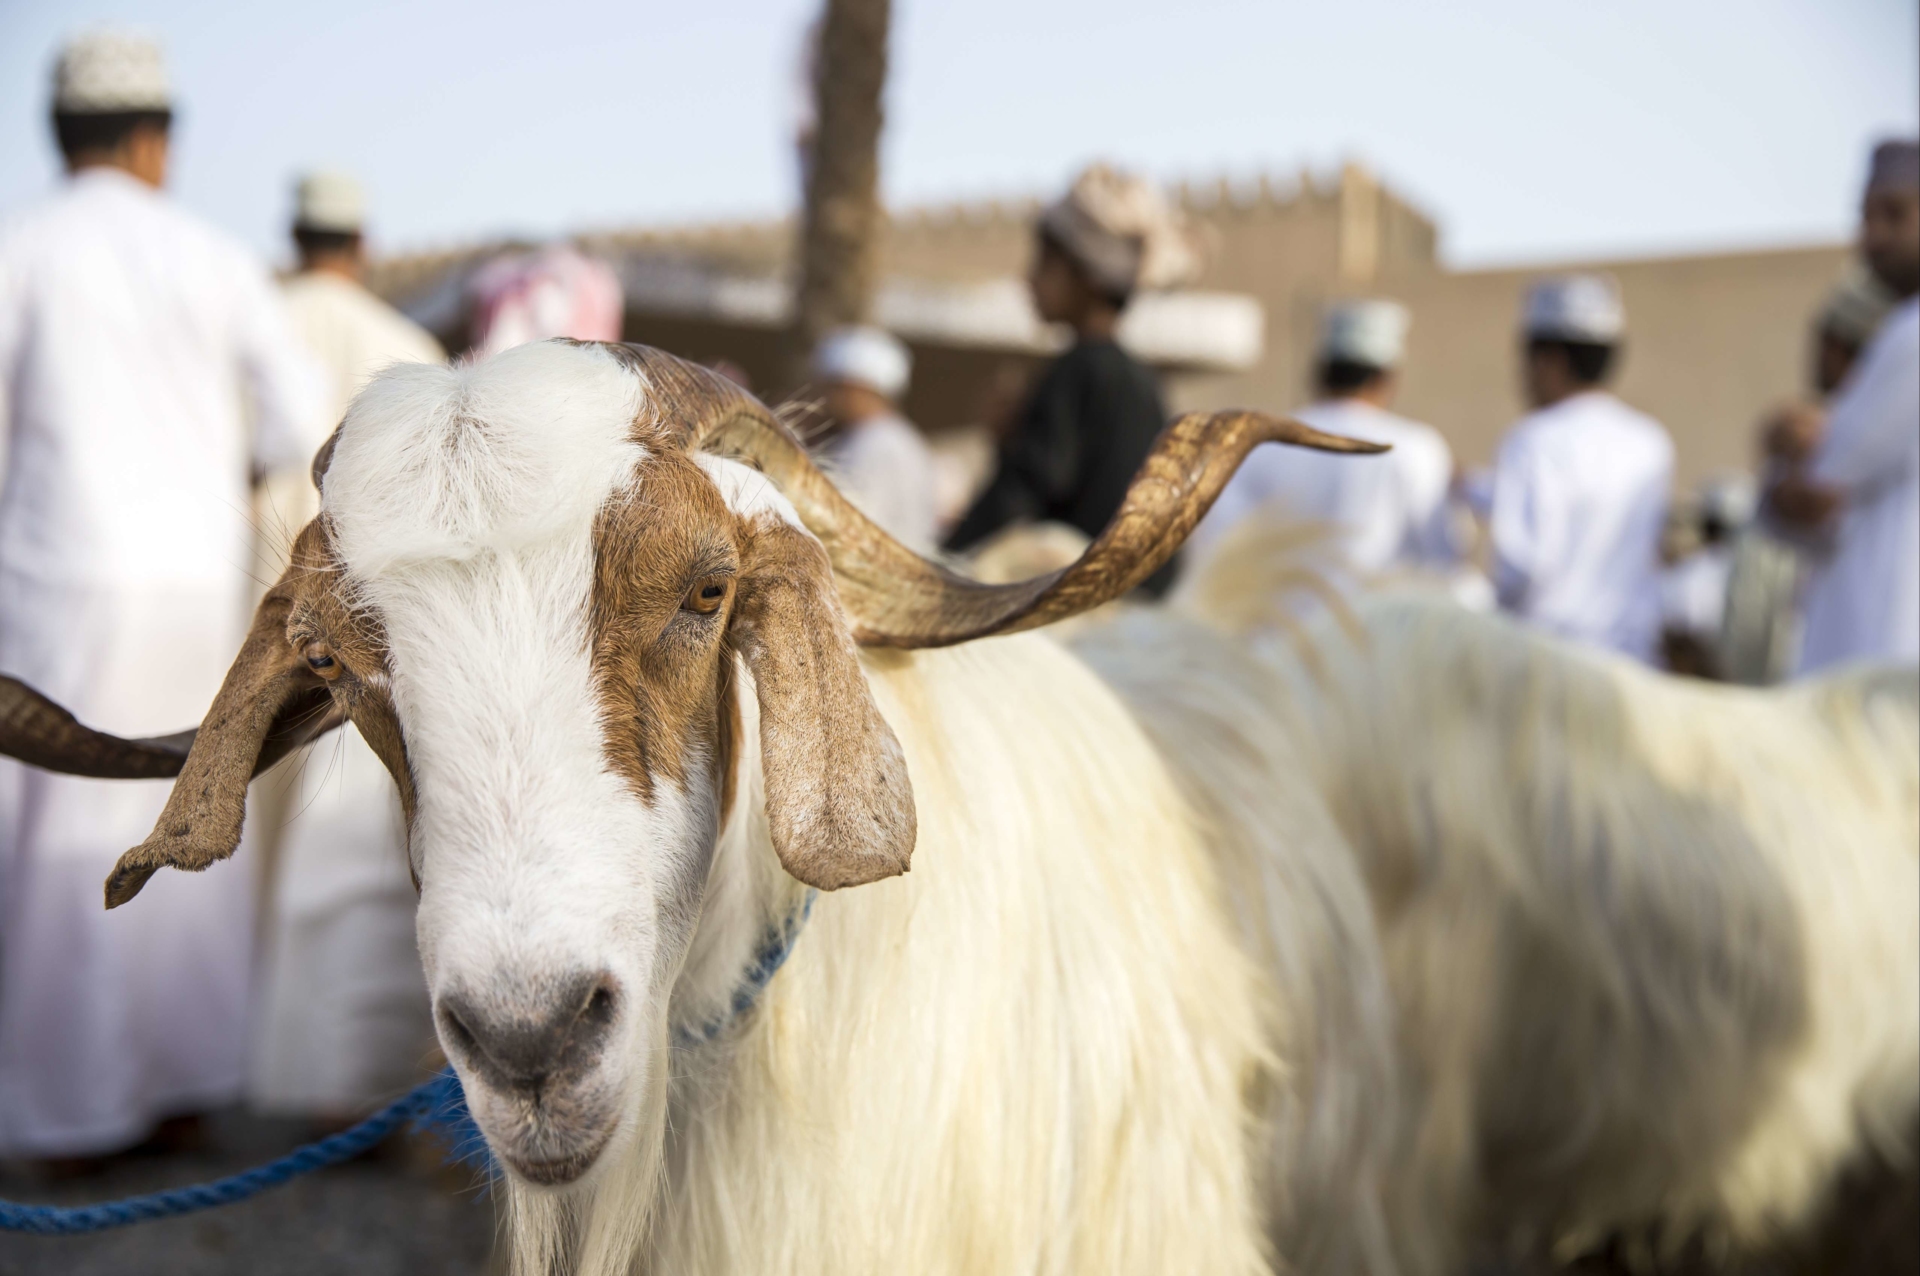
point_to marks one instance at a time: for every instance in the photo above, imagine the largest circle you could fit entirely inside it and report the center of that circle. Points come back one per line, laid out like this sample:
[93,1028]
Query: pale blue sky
[1532,129]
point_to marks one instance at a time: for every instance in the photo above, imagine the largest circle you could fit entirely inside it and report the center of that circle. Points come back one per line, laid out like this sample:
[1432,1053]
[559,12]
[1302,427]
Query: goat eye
[707,596]
[320,659]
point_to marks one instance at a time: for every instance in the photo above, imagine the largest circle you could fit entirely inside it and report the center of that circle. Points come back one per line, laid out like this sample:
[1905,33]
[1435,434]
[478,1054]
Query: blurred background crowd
[1714,467]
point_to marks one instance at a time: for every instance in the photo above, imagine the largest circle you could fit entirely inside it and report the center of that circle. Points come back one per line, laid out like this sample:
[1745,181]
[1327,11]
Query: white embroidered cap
[1582,308]
[329,201]
[864,356]
[1372,333]
[106,72]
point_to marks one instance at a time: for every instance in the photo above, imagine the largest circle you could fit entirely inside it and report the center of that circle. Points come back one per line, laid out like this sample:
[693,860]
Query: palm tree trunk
[840,224]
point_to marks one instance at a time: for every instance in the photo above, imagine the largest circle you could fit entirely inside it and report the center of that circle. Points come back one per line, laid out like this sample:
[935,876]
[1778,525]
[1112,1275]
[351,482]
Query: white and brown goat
[601,619]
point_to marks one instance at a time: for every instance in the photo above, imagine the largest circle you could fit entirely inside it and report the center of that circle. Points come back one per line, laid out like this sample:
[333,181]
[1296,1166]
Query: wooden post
[841,221]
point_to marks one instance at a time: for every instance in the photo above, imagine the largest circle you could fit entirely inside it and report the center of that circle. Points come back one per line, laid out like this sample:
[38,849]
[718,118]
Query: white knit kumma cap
[109,72]
[329,201]
[864,356]
[1584,308]
[1370,333]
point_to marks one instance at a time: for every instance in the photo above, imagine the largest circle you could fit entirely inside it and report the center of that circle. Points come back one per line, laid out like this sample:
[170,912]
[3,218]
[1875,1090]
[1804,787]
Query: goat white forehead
[747,491]
[450,462]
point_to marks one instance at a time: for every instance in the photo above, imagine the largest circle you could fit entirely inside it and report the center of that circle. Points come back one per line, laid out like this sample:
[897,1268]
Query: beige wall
[1713,340]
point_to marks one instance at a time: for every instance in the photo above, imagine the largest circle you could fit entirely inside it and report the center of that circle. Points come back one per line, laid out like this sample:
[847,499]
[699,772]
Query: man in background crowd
[1842,330]
[1759,638]
[876,456]
[1092,418]
[131,334]
[1391,510]
[556,291]
[1702,538]
[1851,315]
[1861,485]
[354,333]
[1580,484]
[344,1017]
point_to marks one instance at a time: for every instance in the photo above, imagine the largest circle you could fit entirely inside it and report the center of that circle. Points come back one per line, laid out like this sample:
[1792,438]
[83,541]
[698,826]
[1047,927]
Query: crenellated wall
[1714,339]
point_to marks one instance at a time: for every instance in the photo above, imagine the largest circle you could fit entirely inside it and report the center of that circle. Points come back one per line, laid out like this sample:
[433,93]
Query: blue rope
[439,1104]
[772,954]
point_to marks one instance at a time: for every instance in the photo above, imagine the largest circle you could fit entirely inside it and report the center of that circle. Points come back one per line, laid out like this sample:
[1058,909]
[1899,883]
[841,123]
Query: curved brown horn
[40,733]
[895,597]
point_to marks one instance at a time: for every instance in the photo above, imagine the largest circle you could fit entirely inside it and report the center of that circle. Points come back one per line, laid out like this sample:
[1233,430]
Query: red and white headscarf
[555,292]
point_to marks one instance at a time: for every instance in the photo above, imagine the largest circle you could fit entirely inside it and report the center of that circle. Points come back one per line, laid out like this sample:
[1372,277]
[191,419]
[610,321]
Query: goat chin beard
[559,1138]
[560,1171]
[593,1223]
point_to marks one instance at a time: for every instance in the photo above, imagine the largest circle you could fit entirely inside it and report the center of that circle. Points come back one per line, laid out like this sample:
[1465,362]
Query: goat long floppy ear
[839,802]
[269,698]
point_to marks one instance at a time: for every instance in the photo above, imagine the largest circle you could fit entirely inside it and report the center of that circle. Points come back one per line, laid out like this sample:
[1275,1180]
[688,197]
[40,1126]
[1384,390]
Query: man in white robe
[1390,510]
[130,337]
[874,454]
[344,1015]
[354,333]
[1580,484]
[1863,480]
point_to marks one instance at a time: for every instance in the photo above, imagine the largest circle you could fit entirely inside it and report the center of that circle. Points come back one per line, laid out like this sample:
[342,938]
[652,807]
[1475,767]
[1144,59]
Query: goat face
[537,605]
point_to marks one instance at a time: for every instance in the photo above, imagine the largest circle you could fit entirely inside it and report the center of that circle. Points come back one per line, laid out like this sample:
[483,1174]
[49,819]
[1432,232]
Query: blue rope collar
[775,947]
[439,1105]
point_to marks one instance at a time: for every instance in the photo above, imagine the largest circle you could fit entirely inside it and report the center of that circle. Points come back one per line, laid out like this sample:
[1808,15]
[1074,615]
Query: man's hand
[1799,502]
[1792,432]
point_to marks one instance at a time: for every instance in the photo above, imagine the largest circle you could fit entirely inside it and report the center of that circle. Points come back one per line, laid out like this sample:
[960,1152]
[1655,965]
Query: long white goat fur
[1043,1050]
[1654,943]
[1300,906]
[1100,1027]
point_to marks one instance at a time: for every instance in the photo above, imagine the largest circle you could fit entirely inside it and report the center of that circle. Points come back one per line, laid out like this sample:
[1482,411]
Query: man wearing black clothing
[1093,416]
[1081,435]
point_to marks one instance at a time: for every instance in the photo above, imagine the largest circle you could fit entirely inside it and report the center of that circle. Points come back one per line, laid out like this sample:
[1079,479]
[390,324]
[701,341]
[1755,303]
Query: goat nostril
[598,1011]
[520,1046]
[457,1029]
